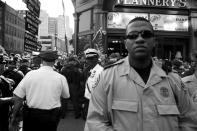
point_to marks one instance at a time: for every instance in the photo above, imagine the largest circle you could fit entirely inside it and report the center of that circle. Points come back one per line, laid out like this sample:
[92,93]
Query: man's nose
[139,38]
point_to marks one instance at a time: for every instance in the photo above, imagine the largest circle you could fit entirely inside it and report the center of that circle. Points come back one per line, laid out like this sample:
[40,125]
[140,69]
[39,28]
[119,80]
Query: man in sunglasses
[135,94]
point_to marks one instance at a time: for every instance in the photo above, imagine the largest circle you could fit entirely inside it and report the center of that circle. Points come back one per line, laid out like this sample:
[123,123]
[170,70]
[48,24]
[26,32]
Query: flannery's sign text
[155,3]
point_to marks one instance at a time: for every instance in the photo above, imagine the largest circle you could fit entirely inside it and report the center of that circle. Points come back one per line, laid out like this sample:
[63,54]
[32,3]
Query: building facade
[61,27]
[69,31]
[43,27]
[52,43]
[174,21]
[12,29]
[52,25]
[52,33]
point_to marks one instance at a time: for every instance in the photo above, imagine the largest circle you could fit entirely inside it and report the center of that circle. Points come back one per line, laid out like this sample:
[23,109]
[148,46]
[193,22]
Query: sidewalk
[69,123]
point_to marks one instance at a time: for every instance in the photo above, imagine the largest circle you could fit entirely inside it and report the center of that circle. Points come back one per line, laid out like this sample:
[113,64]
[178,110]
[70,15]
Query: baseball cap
[48,56]
[90,53]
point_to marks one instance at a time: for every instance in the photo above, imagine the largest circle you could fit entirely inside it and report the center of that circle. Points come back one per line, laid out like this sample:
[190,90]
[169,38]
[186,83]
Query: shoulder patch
[114,64]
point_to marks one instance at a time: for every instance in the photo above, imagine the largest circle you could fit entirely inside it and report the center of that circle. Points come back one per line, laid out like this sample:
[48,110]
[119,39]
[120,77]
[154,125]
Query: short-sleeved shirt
[43,88]
[92,80]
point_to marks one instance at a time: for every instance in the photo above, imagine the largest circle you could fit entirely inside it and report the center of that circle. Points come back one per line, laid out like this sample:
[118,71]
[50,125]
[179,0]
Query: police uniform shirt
[122,101]
[92,80]
[191,83]
[43,88]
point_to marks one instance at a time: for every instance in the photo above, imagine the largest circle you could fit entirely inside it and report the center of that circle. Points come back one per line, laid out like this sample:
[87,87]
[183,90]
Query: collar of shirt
[155,70]
[46,67]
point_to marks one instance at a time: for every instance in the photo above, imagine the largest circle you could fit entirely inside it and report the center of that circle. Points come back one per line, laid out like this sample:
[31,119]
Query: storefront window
[160,22]
[169,22]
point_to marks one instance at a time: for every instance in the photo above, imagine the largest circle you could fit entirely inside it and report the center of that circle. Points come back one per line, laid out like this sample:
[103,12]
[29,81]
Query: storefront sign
[34,6]
[120,20]
[169,22]
[31,26]
[30,37]
[32,17]
[30,48]
[154,3]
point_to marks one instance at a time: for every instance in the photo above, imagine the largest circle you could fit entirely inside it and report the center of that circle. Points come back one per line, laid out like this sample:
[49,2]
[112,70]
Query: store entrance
[115,44]
[167,48]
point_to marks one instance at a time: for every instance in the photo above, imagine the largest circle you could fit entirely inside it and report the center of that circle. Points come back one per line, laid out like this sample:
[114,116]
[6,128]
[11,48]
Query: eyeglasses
[146,34]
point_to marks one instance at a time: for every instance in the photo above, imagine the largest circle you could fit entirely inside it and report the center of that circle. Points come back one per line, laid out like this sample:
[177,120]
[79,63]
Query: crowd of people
[139,92]
[14,68]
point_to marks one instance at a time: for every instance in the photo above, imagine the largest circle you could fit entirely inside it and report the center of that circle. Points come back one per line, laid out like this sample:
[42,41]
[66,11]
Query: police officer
[92,56]
[134,94]
[91,74]
[191,80]
[42,90]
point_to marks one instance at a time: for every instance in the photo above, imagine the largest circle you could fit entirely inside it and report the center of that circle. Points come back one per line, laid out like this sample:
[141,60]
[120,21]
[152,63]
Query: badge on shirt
[97,81]
[164,92]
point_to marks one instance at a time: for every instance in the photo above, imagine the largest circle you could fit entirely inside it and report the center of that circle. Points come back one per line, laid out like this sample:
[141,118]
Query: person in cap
[42,90]
[135,94]
[92,72]
[191,80]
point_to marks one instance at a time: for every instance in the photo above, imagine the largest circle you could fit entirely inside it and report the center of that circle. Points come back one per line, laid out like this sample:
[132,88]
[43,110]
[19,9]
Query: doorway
[167,47]
[115,44]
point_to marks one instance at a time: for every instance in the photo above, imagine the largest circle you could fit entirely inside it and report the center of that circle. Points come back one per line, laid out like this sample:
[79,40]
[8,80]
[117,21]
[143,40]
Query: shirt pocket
[125,113]
[168,110]
[168,117]
[124,105]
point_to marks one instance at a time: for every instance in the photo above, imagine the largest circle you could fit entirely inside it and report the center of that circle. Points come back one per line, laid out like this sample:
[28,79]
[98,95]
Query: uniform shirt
[92,80]
[123,102]
[43,88]
[191,83]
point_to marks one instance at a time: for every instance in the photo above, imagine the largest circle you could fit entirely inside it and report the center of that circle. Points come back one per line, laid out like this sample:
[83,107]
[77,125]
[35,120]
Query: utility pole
[56,41]
[66,43]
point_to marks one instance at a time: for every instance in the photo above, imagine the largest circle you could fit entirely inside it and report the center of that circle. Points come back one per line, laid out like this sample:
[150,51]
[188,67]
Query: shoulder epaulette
[113,64]
[186,79]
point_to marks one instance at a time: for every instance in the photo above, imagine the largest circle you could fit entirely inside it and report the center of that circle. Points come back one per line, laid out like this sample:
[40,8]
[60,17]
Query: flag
[98,41]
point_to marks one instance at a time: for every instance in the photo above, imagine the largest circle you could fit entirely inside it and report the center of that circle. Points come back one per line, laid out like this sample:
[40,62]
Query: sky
[52,7]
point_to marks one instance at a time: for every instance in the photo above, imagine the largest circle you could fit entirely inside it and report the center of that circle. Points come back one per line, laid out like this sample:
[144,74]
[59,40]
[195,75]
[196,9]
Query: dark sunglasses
[144,34]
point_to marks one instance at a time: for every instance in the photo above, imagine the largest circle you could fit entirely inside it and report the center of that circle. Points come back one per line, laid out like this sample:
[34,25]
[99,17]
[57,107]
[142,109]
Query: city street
[69,123]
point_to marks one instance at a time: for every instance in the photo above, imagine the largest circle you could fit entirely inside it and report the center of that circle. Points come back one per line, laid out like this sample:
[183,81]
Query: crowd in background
[76,70]
[14,67]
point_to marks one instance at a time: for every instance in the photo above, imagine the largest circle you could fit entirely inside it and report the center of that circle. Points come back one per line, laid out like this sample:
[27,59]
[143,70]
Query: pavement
[69,123]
